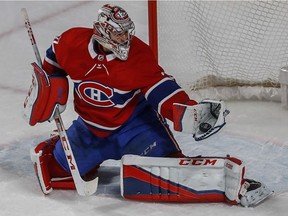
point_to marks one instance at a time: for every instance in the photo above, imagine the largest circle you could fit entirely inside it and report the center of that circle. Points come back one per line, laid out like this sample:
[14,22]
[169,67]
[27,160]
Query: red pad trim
[175,192]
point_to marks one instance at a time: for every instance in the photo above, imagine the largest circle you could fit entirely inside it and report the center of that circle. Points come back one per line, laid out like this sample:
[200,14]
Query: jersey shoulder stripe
[165,88]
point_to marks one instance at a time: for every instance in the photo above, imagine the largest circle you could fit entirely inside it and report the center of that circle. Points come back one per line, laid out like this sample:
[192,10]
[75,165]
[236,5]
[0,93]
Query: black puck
[204,127]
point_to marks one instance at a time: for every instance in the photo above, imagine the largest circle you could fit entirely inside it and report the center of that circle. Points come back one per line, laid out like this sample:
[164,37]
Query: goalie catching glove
[45,94]
[201,120]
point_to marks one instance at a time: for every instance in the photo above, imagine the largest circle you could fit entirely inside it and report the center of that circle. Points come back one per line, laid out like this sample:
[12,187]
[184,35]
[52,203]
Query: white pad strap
[234,171]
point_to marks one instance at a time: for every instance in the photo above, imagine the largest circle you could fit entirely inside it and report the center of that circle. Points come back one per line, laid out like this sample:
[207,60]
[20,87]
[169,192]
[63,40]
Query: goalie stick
[84,188]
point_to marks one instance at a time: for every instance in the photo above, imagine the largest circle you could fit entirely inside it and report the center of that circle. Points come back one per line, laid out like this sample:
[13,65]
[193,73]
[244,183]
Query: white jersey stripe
[166,98]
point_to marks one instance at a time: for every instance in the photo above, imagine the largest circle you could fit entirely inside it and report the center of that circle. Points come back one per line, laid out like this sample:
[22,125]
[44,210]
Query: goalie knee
[48,171]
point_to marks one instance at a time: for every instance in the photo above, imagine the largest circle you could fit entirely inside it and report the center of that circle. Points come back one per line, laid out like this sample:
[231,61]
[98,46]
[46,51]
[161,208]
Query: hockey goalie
[123,97]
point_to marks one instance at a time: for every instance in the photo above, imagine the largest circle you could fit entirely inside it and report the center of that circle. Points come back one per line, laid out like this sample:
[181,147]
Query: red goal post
[152,26]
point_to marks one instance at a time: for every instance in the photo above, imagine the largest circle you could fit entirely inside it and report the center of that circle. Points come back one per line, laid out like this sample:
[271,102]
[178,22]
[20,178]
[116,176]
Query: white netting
[223,43]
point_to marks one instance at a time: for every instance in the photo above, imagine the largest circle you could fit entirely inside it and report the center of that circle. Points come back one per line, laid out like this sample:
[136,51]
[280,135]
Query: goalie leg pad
[49,173]
[173,179]
[198,179]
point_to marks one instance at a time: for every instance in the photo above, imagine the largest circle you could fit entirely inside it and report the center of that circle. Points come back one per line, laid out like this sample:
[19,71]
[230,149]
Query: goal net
[219,44]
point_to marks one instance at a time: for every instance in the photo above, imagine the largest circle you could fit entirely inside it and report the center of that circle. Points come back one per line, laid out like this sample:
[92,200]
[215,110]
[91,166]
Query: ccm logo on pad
[197,162]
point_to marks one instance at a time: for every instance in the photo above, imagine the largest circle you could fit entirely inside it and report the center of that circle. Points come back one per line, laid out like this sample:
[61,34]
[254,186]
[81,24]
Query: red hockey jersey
[107,90]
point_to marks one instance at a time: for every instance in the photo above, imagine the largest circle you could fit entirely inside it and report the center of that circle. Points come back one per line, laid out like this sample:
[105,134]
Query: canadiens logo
[96,94]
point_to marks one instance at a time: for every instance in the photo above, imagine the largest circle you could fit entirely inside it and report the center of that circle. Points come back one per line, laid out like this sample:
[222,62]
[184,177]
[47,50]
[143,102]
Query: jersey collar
[93,51]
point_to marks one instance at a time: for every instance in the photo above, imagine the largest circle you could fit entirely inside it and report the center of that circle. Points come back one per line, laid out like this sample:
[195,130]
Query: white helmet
[115,19]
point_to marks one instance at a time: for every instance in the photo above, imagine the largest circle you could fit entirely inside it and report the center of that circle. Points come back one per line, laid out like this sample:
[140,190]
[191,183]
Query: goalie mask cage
[212,45]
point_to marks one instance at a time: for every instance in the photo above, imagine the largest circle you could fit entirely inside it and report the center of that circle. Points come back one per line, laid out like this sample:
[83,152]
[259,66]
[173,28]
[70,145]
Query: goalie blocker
[45,94]
[195,179]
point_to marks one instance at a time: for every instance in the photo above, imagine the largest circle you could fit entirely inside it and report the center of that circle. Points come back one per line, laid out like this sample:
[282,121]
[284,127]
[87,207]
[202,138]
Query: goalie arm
[172,102]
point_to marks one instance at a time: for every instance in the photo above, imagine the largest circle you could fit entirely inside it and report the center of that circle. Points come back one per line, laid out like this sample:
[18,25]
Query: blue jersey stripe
[162,91]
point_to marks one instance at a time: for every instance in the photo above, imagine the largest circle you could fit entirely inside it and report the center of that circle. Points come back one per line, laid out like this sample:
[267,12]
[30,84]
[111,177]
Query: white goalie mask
[114,19]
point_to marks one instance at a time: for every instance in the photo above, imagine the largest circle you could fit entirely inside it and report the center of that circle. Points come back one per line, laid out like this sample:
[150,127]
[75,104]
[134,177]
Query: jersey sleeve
[160,89]
[164,93]
[50,63]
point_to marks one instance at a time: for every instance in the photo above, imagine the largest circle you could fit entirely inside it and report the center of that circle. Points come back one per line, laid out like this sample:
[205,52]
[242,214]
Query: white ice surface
[256,132]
